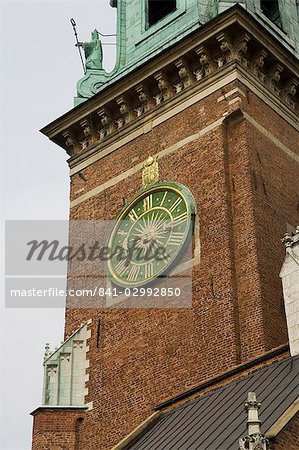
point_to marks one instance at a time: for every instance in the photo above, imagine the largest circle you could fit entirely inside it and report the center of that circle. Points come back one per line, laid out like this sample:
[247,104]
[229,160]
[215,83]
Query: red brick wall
[246,191]
[276,195]
[57,430]
[288,438]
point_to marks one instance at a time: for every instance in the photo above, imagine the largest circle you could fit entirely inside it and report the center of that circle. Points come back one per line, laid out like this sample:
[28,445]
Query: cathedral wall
[213,128]
[146,356]
[274,166]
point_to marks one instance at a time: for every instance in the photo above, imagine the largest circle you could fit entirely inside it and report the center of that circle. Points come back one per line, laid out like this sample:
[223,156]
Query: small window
[158,9]
[271,10]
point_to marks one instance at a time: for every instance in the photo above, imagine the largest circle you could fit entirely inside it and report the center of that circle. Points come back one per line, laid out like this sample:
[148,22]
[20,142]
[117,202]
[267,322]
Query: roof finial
[47,351]
[291,239]
[254,440]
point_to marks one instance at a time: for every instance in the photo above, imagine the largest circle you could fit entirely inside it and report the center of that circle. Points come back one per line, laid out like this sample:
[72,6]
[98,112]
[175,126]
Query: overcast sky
[40,68]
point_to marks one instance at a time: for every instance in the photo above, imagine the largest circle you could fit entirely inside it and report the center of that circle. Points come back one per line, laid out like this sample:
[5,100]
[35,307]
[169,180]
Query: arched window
[158,9]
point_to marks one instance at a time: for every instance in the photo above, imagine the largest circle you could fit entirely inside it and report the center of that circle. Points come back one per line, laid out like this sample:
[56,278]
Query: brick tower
[209,91]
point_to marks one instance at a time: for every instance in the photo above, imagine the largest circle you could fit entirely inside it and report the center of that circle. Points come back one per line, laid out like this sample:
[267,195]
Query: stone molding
[234,45]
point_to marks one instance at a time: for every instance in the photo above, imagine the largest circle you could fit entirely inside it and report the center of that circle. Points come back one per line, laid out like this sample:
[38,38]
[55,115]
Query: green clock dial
[150,234]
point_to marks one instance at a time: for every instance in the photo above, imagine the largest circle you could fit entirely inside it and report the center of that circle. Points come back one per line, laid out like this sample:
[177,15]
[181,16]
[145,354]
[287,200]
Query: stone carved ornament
[253,57]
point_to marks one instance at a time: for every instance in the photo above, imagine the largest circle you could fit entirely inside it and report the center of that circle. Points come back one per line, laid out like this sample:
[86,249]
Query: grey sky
[40,68]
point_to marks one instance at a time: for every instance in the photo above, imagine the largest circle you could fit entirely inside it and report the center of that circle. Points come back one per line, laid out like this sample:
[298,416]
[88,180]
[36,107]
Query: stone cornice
[232,40]
[62,409]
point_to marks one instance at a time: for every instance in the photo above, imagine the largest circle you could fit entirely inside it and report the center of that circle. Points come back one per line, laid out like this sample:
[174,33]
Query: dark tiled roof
[217,420]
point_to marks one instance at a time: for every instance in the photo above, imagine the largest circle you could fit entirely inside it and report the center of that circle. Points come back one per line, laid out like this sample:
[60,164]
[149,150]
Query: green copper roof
[147,27]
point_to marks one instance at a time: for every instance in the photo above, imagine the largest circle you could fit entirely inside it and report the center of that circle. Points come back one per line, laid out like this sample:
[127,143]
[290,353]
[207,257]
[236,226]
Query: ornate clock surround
[179,217]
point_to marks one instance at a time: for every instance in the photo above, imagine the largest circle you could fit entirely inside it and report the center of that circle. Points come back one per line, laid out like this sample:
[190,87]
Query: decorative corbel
[71,143]
[102,133]
[106,121]
[119,123]
[205,62]
[289,92]
[184,73]
[125,110]
[258,64]
[164,87]
[88,133]
[241,49]
[274,77]
[178,87]
[226,48]
[158,99]
[144,98]
[52,370]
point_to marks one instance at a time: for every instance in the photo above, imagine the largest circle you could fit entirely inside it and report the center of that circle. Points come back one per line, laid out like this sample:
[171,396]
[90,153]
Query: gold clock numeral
[176,238]
[179,219]
[133,215]
[176,203]
[134,272]
[148,270]
[121,266]
[163,199]
[148,203]
[122,232]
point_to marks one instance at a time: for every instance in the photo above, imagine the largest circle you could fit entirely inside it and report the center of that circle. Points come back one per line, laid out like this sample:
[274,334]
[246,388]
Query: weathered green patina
[93,52]
[137,41]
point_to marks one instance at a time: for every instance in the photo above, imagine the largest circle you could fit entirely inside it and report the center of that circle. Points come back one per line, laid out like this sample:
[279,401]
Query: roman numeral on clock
[176,238]
[134,272]
[179,219]
[121,267]
[148,270]
[163,199]
[133,215]
[148,203]
[176,203]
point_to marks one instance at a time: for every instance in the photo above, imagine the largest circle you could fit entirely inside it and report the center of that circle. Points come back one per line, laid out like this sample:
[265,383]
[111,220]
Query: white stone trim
[230,93]
[283,420]
[290,281]
[67,366]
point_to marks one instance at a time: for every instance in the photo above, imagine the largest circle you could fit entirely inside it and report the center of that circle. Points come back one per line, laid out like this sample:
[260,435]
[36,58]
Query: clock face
[150,234]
